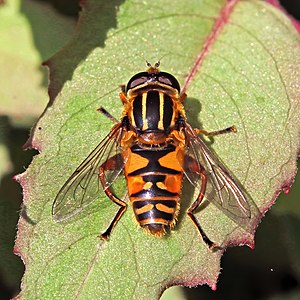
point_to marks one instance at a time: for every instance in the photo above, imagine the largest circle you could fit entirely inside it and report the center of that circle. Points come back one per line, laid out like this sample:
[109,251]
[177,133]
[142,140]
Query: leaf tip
[214,287]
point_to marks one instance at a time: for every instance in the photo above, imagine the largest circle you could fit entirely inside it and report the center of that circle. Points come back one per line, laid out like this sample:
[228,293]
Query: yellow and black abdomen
[154,178]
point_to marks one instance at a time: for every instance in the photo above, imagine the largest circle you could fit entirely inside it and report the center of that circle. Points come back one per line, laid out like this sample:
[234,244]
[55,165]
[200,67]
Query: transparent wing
[222,190]
[84,186]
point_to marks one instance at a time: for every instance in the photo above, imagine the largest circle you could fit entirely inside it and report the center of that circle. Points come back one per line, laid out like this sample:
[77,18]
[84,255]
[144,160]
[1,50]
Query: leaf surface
[239,63]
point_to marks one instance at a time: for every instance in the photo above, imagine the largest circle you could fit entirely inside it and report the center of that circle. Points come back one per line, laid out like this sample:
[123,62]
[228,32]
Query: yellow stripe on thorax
[161,111]
[144,111]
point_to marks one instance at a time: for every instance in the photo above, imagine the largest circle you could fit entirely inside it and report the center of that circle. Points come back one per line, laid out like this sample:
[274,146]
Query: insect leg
[182,97]
[217,132]
[107,114]
[123,97]
[201,171]
[110,164]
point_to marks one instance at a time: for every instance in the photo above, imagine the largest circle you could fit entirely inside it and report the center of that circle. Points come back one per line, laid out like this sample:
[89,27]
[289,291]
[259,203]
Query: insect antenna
[107,114]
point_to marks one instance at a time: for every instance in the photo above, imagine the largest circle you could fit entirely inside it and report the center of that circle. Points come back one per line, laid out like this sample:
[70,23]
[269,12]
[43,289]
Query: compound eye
[165,80]
[168,79]
[136,80]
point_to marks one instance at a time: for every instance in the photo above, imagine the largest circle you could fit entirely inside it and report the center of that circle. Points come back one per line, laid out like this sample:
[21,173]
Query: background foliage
[270,276]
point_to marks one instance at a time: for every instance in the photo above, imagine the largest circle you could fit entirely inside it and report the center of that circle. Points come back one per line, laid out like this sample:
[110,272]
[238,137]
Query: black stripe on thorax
[153,111]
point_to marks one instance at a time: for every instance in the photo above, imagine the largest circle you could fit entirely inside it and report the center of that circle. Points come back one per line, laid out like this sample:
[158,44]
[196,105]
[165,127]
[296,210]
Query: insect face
[151,103]
[153,77]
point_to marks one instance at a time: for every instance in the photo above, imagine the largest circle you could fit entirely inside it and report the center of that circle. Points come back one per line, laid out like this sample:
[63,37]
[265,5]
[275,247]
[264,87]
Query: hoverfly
[154,146]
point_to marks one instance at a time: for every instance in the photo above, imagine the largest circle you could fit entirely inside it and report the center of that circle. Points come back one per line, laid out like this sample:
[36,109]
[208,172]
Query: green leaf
[30,32]
[247,75]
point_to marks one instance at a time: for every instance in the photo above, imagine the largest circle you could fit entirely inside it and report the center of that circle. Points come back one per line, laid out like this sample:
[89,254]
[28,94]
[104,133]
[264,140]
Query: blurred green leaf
[173,293]
[23,97]
[249,77]
[288,204]
[30,31]
[287,296]
[5,163]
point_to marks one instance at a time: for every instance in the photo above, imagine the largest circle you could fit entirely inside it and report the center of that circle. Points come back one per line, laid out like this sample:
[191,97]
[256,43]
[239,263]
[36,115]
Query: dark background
[267,272]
